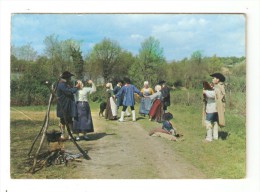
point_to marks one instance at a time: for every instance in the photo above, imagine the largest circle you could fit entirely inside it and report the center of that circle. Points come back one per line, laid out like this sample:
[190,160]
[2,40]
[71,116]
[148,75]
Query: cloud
[136,36]
[179,34]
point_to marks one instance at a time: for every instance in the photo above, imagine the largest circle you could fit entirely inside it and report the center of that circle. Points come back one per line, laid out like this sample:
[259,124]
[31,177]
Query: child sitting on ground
[167,131]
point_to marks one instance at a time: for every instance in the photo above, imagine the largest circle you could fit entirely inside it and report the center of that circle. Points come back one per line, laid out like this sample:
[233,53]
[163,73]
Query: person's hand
[77,85]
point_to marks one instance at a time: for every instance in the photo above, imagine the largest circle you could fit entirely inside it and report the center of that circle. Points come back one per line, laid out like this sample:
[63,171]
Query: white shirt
[211,103]
[82,94]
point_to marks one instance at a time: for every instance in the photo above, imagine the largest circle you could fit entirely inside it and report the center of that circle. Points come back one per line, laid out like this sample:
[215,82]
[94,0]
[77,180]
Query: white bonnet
[146,83]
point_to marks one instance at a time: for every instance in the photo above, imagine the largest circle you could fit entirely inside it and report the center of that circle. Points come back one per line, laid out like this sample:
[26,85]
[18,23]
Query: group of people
[74,111]
[153,104]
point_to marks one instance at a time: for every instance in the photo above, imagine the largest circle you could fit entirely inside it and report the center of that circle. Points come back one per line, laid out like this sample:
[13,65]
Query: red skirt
[156,110]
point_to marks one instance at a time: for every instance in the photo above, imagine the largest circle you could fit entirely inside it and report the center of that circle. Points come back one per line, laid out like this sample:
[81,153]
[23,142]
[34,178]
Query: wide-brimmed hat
[160,82]
[219,76]
[66,74]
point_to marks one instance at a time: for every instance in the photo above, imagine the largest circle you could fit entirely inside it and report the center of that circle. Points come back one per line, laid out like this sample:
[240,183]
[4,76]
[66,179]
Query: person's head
[109,86]
[127,80]
[162,83]
[119,83]
[66,75]
[217,77]
[158,88]
[80,84]
[146,84]
[167,116]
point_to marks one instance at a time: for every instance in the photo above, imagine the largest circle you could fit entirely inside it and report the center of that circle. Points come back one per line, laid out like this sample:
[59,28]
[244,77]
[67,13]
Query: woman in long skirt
[145,102]
[83,122]
[111,108]
[156,110]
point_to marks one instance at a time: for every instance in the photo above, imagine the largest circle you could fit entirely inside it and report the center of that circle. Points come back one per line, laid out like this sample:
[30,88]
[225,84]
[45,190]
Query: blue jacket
[128,92]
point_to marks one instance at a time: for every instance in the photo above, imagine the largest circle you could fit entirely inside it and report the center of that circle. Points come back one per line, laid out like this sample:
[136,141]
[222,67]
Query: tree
[25,52]
[125,60]
[53,50]
[78,62]
[196,57]
[106,55]
[60,53]
[214,64]
[149,62]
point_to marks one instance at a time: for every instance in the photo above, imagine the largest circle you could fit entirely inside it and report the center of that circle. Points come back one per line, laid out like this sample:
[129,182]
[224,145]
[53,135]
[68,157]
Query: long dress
[145,102]
[111,108]
[156,110]
[83,122]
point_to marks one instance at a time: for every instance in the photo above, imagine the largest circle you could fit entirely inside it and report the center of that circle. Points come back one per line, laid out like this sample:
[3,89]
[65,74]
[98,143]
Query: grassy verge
[225,158]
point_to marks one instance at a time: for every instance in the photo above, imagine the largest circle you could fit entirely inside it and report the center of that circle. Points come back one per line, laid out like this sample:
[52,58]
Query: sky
[179,34]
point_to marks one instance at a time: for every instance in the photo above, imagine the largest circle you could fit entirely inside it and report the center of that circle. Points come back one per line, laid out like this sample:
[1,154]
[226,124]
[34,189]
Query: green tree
[60,53]
[25,52]
[52,51]
[106,55]
[214,64]
[149,62]
[78,62]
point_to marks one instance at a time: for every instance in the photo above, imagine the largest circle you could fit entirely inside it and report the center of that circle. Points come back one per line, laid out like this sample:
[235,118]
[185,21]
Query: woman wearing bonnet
[145,103]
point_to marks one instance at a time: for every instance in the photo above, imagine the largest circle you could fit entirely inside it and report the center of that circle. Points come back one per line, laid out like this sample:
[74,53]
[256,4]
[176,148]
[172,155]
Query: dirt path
[124,150]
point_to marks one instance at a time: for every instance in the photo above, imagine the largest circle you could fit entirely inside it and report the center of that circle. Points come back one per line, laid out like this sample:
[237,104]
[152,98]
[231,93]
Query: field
[124,150]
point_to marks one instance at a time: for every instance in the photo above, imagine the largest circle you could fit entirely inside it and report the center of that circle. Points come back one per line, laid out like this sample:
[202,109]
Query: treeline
[108,62]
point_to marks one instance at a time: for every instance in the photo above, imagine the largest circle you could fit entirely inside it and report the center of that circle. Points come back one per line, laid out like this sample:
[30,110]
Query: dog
[102,108]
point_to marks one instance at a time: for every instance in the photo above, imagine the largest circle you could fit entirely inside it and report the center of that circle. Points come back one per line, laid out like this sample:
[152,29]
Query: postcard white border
[249,7]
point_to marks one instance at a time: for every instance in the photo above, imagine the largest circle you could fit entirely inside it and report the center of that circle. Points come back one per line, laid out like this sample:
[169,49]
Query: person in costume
[119,100]
[66,107]
[83,121]
[213,113]
[128,90]
[156,111]
[167,130]
[145,102]
[111,108]
[166,96]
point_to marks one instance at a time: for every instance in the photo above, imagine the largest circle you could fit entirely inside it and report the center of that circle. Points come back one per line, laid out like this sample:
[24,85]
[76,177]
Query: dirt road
[124,150]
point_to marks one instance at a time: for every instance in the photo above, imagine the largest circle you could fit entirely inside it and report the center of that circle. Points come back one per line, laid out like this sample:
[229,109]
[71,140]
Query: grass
[225,158]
